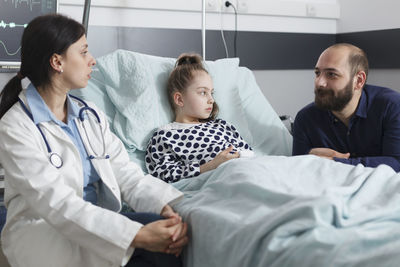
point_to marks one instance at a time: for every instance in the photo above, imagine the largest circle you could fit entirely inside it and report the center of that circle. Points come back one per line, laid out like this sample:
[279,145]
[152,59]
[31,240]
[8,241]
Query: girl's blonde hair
[181,77]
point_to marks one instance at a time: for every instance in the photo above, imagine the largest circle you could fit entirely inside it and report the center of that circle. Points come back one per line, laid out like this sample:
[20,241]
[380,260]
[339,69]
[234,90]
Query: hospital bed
[130,88]
[271,210]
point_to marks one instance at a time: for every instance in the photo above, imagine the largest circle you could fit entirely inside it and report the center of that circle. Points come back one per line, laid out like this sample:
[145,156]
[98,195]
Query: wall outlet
[226,9]
[211,5]
[242,6]
[311,10]
[236,3]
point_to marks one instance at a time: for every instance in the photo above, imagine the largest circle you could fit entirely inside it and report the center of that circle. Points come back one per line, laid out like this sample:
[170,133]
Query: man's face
[334,86]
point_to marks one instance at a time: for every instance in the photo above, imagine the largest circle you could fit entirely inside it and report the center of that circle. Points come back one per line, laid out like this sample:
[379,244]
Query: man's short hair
[358,60]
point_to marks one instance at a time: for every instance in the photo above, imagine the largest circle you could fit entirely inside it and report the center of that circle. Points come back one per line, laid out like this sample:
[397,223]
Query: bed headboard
[131,89]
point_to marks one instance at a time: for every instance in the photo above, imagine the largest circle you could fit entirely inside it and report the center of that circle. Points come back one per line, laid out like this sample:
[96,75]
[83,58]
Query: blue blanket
[292,211]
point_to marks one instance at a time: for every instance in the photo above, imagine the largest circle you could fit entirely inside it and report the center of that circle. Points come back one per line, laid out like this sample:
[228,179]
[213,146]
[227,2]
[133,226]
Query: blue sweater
[372,137]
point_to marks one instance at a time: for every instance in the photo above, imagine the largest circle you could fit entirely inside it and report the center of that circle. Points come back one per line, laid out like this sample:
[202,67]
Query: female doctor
[66,173]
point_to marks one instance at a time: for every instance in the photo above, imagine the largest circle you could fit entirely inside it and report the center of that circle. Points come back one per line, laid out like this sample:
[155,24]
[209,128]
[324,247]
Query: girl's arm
[237,140]
[167,165]
[225,155]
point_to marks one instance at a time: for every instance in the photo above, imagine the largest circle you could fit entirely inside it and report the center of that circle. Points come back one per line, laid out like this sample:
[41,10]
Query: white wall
[287,90]
[317,16]
[385,77]
[362,15]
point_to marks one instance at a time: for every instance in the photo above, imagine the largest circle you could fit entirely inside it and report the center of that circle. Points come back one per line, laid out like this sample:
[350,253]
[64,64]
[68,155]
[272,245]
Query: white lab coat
[48,222]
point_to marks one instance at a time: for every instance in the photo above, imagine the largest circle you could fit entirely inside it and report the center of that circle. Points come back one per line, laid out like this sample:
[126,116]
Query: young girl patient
[196,141]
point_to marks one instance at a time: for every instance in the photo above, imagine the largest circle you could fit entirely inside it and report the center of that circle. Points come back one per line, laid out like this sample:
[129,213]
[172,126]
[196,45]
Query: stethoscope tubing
[37,126]
[54,158]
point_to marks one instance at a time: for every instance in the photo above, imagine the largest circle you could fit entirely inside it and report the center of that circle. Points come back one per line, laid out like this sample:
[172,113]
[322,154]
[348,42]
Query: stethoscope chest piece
[56,160]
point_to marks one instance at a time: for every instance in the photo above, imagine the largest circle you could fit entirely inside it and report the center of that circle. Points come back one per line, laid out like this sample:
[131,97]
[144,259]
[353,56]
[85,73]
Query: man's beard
[327,100]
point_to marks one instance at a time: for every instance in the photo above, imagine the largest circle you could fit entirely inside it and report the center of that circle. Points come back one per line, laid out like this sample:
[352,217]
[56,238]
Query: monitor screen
[14,17]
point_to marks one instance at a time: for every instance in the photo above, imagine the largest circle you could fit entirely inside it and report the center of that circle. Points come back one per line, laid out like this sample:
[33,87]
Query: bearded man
[349,121]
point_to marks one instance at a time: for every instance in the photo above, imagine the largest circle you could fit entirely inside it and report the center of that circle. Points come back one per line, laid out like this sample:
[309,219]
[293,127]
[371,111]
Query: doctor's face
[334,86]
[77,64]
[198,97]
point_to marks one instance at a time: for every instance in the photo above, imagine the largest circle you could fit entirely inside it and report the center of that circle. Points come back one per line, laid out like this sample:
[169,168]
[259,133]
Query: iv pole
[86,11]
[203,29]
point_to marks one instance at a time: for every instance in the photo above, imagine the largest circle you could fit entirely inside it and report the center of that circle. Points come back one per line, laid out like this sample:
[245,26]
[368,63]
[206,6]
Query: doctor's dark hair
[43,37]
[182,75]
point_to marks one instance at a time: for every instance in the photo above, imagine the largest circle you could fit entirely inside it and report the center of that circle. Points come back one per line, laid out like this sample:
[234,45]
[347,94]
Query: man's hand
[328,153]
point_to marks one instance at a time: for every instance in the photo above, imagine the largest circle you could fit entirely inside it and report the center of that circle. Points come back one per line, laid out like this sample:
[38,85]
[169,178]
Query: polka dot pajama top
[177,150]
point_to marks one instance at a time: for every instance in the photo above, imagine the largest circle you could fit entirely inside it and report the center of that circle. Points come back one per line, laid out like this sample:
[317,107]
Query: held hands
[328,153]
[219,159]
[168,236]
[179,238]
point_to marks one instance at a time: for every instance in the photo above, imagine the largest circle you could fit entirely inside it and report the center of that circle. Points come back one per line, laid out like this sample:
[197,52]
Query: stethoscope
[54,158]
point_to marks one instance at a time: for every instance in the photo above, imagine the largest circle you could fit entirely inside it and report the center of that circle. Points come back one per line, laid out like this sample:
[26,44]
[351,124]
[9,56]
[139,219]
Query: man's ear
[178,99]
[359,80]
[56,63]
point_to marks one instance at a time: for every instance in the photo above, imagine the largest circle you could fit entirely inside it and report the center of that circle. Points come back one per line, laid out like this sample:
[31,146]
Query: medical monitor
[14,17]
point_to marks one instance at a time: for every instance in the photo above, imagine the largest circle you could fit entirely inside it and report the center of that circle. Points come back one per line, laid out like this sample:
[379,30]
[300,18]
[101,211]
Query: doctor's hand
[158,236]
[168,212]
[328,153]
[180,233]
[181,240]
[222,157]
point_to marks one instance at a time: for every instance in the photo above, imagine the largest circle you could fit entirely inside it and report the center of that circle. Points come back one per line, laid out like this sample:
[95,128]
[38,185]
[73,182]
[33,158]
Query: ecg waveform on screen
[8,52]
[15,16]
[11,25]
[24,3]
[4,25]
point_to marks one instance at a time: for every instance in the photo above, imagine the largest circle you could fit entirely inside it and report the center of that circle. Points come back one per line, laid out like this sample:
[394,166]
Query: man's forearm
[372,161]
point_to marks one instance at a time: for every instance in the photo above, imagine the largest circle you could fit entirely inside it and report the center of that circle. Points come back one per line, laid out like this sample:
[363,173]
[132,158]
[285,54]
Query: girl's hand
[219,159]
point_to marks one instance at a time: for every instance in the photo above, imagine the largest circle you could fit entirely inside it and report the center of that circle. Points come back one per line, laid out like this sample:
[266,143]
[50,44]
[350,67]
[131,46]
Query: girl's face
[197,100]
[77,64]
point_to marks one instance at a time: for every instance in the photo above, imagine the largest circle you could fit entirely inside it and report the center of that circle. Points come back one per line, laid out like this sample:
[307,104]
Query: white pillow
[131,88]
[270,136]
[136,85]
[224,73]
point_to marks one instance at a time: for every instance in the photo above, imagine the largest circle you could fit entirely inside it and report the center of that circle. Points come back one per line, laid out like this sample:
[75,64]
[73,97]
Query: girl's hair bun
[188,59]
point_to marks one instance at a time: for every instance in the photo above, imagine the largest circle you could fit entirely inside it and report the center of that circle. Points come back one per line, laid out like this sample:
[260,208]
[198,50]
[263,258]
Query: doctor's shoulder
[16,128]
[16,117]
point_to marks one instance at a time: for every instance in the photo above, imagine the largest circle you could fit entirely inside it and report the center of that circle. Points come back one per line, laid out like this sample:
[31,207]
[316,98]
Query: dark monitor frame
[11,20]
